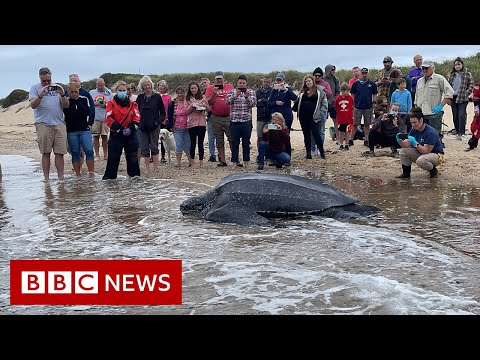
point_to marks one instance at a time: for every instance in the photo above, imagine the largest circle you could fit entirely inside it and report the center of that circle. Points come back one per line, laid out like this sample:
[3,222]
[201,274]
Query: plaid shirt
[383,89]
[466,86]
[241,107]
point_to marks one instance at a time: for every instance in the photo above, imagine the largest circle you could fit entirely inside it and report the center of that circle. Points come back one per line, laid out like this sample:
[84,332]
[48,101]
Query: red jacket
[117,113]
[475,127]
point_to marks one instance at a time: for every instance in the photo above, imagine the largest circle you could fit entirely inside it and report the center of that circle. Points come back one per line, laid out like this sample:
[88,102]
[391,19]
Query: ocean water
[419,255]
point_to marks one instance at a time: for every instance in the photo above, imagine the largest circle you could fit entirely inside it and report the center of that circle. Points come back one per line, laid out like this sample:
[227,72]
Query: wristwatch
[63,95]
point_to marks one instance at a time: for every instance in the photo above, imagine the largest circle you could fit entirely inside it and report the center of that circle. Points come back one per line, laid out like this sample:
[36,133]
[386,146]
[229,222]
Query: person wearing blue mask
[122,118]
[422,146]
[433,93]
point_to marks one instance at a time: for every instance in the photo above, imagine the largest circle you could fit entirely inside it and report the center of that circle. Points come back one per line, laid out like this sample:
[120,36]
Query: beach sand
[17,134]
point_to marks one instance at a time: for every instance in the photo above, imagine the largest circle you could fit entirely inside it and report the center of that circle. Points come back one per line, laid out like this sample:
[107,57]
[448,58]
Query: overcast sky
[20,63]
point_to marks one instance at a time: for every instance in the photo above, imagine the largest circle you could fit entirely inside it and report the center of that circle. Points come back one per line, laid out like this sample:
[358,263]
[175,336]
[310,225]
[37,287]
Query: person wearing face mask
[462,82]
[122,118]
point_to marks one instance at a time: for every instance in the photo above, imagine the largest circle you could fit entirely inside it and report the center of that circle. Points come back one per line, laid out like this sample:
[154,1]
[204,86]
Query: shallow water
[420,255]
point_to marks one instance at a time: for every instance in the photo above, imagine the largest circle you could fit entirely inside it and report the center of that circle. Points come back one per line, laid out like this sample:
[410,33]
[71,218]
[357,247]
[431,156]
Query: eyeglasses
[317,75]
[387,62]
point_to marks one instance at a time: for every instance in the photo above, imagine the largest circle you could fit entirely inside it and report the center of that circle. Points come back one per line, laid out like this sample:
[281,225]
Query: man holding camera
[384,131]
[101,96]
[216,95]
[48,102]
[242,100]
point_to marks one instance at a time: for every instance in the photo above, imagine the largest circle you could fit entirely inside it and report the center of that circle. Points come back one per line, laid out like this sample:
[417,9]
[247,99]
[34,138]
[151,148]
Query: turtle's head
[197,205]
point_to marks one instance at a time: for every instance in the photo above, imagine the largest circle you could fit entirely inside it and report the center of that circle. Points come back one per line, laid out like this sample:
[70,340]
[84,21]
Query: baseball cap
[219,74]
[387,59]
[427,63]
[280,76]
[364,70]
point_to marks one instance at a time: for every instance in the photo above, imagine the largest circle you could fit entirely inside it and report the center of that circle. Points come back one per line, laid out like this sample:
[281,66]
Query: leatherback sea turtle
[253,198]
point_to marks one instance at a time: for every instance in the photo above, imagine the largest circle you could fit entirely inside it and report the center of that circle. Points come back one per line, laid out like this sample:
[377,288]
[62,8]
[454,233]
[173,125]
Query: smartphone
[403,136]
[220,87]
[272,127]
[52,88]
[243,90]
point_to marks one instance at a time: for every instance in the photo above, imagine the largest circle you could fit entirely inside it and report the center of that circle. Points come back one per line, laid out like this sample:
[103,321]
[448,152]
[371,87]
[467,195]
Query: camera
[52,88]
[403,136]
[272,127]
[390,116]
[100,99]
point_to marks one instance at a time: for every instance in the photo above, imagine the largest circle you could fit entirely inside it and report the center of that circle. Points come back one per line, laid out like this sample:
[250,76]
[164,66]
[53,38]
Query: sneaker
[316,153]
[346,147]
[459,137]
[322,156]
[369,153]
[365,143]
[163,160]
[278,166]
[350,142]
[469,149]
[239,165]
[342,147]
[212,158]
[222,164]
[434,173]
[260,167]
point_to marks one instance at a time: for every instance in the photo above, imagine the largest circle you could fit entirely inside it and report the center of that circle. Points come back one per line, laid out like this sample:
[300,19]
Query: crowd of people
[391,109]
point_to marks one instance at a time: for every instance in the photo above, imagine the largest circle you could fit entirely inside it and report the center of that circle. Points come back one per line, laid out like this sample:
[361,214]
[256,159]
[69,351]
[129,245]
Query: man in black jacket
[263,111]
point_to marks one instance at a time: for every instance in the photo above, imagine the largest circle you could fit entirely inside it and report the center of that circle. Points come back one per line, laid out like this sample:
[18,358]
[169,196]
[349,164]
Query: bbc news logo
[95,282]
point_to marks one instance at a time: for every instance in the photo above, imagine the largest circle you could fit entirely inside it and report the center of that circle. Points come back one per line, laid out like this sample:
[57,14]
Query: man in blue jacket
[74,78]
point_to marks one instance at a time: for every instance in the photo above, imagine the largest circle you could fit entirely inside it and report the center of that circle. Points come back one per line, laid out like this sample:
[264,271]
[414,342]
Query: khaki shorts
[100,128]
[52,137]
[220,126]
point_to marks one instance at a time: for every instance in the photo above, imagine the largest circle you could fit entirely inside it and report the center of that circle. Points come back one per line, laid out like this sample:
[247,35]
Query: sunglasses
[387,62]
[317,75]
[425,68]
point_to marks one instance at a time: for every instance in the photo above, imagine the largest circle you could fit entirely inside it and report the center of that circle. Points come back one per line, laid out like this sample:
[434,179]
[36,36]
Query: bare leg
[190,160]
[91,168]
[155,163]
[105,147]
[60,165]
[96,147]
[146,160]
[77,167]
[221,153]
[179,158]
[46,166]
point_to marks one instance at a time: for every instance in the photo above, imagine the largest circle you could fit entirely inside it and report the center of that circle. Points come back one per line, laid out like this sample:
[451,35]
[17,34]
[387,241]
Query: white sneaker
[316,153]
[459,137]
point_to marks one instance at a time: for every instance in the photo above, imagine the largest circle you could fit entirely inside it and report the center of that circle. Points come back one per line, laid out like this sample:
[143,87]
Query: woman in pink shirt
[197,108]
[177,123]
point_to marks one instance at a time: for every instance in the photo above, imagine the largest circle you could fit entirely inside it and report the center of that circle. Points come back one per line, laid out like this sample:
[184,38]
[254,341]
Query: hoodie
[334,83]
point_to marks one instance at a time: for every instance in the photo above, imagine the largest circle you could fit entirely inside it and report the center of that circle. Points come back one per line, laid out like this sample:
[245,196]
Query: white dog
[166,138]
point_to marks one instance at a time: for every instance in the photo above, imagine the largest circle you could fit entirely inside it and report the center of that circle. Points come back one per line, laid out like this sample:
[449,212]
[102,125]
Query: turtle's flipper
[234,212]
